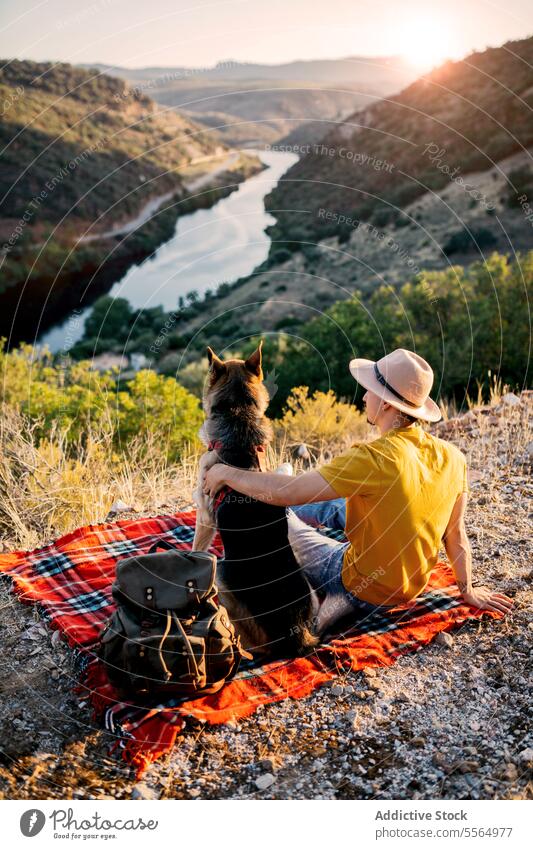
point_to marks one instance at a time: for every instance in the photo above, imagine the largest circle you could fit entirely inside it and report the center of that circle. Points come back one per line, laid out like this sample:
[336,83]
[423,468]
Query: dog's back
[261,584]
[262,580]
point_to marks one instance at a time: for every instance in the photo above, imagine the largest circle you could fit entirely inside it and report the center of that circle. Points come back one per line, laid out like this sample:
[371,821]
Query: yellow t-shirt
[400,491]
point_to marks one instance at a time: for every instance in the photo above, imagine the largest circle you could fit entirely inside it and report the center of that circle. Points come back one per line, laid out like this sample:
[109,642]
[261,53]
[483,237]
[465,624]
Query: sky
[199,33]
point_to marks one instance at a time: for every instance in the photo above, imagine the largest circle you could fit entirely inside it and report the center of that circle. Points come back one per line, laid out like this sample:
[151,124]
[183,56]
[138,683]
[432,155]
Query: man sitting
[396,498]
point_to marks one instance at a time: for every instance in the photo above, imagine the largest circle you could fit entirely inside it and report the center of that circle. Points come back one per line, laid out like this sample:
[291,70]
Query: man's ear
[215,363]
[253,363]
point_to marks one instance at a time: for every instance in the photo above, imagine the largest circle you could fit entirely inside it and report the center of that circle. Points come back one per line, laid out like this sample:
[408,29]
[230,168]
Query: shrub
[520,183]
[463,241]
[85,404]
[320,421]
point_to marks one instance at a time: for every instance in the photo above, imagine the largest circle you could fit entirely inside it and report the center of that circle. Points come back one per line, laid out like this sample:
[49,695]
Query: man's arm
[460,556]
[281,490]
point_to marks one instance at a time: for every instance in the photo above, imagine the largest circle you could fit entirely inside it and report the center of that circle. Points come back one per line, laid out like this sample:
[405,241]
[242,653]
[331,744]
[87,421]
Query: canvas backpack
[168,634]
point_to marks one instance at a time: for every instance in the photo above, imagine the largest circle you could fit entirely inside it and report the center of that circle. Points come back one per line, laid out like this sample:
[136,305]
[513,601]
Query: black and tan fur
[267,595]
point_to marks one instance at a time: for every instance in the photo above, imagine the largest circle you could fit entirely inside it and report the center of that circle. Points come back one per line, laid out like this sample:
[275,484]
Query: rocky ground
[449,722]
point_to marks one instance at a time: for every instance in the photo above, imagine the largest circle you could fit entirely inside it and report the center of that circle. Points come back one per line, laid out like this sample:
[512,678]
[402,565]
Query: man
[397,499]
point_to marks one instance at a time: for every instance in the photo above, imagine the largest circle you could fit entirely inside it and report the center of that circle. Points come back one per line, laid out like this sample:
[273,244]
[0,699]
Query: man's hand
[214,479]
[269,487]
[488,600]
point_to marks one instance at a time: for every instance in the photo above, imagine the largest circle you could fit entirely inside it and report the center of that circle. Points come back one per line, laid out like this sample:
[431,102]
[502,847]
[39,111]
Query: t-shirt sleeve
[357,472]
[465,487]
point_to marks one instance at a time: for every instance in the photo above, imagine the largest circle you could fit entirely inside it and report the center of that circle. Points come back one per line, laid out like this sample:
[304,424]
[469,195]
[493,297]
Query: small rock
[31,635]
[369,673]
[467,766]
[525,756]
[302,452]
[194,792]
[510,399]
[267,763]
[264,781]
[55,638]
[285,469]
[142,791]
[119,507]
[418,742]
[444,639]
[510,772]
[402,697]
[439,759]
[337,690]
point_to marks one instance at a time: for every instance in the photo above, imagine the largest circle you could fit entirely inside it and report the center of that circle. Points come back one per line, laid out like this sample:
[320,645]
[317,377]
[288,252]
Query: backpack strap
[162,543]
[165,668]
[187,643]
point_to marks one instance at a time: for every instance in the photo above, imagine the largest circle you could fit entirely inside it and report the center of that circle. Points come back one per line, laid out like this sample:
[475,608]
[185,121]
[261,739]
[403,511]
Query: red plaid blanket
[70,579]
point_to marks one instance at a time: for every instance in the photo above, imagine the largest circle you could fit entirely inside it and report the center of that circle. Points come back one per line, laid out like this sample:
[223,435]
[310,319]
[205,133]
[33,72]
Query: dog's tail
[309,641]
[303,637]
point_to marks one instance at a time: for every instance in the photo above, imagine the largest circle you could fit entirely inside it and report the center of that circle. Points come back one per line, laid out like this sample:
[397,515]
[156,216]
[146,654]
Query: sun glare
[425,43]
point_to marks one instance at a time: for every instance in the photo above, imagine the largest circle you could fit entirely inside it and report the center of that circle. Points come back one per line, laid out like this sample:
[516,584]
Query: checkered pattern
[70,579]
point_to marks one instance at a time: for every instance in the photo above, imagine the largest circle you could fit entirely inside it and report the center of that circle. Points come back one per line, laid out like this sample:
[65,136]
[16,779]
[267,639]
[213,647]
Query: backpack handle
[161,543]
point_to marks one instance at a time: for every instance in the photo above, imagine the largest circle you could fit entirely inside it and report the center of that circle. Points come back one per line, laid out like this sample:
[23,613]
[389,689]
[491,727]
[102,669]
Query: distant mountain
[251,104]
[371,73]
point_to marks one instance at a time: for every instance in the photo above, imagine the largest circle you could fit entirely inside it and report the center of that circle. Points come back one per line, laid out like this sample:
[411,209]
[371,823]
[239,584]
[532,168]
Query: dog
[264,590]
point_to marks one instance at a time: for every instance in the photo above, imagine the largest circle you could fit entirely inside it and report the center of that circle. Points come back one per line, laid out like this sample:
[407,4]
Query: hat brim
[363,372]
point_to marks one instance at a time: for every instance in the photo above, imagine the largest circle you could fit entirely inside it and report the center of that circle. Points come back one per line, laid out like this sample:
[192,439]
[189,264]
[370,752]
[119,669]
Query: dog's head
[235,383]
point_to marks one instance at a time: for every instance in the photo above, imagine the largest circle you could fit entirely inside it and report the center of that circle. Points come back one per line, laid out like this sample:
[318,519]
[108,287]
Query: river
[209,247]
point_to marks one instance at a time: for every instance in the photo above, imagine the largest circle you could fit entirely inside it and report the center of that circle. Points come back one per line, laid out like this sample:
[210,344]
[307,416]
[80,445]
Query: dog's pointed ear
[215,363]
[254,361]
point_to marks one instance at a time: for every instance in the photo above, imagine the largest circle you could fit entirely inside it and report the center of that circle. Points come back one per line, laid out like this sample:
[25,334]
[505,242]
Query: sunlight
[426,42]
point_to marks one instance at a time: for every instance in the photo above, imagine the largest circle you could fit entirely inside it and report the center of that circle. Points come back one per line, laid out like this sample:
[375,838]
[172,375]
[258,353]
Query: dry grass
[47,488]
[320,422]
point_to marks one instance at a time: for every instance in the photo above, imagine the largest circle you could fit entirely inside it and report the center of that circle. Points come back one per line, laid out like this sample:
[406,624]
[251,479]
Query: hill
[130,149]
[84,151]
[436,177]
[252,104]
[462,118]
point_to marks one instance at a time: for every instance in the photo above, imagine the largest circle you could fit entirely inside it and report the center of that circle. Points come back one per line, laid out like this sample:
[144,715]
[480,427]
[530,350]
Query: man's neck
[394,424]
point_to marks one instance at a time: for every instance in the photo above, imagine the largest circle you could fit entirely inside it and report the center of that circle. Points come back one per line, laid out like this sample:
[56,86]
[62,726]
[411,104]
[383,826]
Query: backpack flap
[167,580]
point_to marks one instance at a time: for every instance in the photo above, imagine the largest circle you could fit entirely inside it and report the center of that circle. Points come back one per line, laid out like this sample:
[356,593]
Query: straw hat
[402,379]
